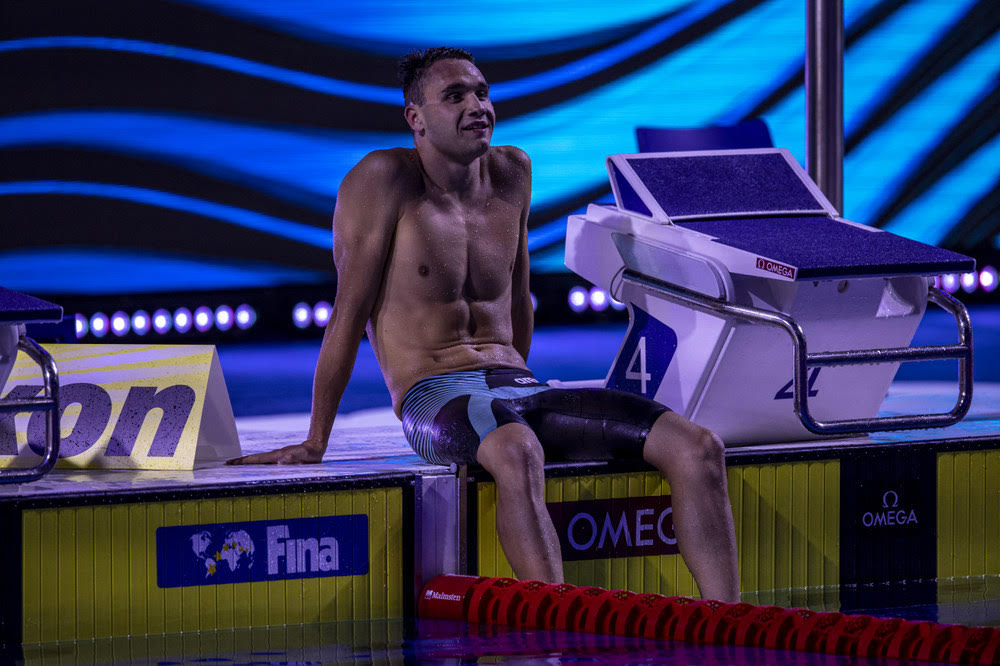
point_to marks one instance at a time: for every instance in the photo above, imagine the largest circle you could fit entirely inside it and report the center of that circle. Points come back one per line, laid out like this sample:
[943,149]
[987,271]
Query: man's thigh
[589,424]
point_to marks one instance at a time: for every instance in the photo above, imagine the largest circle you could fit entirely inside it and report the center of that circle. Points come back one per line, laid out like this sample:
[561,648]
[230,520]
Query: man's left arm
[522,314]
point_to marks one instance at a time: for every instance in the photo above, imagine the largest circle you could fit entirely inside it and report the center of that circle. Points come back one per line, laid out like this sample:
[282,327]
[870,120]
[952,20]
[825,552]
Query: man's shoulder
[510,166]
[389,165]
[510,157]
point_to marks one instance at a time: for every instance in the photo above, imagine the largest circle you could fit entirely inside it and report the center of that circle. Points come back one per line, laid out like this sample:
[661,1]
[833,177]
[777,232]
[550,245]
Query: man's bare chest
[452,249]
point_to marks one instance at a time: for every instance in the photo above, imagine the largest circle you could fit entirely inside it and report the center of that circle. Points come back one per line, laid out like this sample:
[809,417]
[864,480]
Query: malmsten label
[262,550]
[630,527]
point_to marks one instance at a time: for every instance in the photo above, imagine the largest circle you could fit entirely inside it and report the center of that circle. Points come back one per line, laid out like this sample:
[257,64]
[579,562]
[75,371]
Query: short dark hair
[415,64]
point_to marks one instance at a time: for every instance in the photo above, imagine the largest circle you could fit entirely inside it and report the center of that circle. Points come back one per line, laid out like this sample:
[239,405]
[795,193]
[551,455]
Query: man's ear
[414,118]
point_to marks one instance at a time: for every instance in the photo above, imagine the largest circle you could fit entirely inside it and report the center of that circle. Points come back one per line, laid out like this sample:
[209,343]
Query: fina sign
[125,407]
[628,527]
[262,550]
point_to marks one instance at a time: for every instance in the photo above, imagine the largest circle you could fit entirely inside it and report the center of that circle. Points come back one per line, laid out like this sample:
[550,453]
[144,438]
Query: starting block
[755,310]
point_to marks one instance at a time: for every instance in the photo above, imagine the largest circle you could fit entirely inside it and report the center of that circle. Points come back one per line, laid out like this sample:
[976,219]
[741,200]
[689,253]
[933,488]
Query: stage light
[577,299]
[82,325]
[161,321]
[301,315]
[182,320]
[988,279]
[246,316]
[203,318]
[120,323]
[598,299]
[321,313]
[534,302]
[99,324]
[949,283]
[223,317]
[141,322]
[970,281]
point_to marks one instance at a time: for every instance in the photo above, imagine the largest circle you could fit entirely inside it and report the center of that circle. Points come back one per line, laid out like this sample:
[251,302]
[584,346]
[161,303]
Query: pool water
[973,601]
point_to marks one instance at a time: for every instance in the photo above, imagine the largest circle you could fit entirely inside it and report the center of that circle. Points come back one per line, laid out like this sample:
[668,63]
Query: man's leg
[514,458]
[693,461]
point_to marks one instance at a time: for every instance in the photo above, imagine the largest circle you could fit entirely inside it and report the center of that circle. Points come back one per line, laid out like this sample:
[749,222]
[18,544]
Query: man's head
[447,102]
[414,65]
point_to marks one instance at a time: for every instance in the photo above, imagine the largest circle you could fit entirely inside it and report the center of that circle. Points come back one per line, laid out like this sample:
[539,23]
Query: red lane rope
[564,607]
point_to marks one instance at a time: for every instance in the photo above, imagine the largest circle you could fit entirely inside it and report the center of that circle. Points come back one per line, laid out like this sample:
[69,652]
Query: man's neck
[450,175]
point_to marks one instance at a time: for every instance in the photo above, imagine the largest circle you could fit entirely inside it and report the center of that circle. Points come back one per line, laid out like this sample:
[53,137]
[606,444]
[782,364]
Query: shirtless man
[430,247]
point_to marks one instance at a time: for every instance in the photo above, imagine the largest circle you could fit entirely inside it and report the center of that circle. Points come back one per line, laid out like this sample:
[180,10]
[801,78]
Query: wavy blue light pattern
[237,216]
[896,46]
[717,78]
[297,164]
[853,11]
[606,58]
[931,216]
[878,167]
[479,24]
[870,66]
[567,142]
[499,92]
[322,84]
[90,271]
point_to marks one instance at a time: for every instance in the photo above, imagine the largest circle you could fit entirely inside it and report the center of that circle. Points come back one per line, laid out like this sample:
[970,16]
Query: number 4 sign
[644,356]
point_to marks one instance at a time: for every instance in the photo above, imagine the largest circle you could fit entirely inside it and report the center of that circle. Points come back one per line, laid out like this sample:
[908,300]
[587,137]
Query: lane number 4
[639,358]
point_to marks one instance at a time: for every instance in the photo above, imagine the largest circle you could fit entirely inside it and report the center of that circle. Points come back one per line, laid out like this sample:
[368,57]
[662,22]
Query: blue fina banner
[261,550]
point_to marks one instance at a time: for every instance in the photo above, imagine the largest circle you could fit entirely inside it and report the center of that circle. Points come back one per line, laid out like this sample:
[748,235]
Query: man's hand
[307,452]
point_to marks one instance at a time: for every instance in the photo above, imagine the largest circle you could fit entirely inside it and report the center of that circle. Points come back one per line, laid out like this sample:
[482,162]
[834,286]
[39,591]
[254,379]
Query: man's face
[457,116]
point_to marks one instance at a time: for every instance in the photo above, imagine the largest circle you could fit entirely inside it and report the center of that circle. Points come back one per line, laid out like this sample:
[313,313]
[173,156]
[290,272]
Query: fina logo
[890,515]
[309,555]
[263,550]
[236,552]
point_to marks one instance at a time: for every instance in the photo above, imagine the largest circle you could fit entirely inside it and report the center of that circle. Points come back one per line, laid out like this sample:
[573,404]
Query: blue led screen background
[156,145]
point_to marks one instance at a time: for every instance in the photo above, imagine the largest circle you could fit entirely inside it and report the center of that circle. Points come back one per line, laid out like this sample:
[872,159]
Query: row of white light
[986,279]
[598,300]
[582,299]
[181,320]
[305,315]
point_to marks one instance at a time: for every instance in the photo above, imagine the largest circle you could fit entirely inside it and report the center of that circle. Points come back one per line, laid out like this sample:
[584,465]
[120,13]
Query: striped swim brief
[445,417]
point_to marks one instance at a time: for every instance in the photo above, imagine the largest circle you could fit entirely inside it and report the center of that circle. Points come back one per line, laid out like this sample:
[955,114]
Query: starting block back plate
[713,183]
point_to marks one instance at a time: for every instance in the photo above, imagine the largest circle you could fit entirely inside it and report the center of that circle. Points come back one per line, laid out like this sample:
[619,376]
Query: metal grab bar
[803,360]
[49,403]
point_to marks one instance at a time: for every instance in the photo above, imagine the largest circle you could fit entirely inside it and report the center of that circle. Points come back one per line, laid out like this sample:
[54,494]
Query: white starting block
[716,253]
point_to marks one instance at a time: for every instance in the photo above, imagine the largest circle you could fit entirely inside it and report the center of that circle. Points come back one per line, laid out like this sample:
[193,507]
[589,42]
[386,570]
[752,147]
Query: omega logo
[620,527]
[613,529]
[890,514]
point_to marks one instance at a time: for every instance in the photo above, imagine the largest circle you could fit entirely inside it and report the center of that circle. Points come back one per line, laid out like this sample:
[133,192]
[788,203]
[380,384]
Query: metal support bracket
[803,360]
[48,402]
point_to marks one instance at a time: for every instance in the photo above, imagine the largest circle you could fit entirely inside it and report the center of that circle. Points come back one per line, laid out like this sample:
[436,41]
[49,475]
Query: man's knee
[511,453]
[677,442]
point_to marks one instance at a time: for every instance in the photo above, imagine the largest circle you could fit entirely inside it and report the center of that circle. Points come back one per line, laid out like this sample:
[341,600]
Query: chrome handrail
[803,360]
[49,403]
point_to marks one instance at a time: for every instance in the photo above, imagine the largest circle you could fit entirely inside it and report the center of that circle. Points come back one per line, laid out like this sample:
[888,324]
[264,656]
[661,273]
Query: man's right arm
[363,226]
